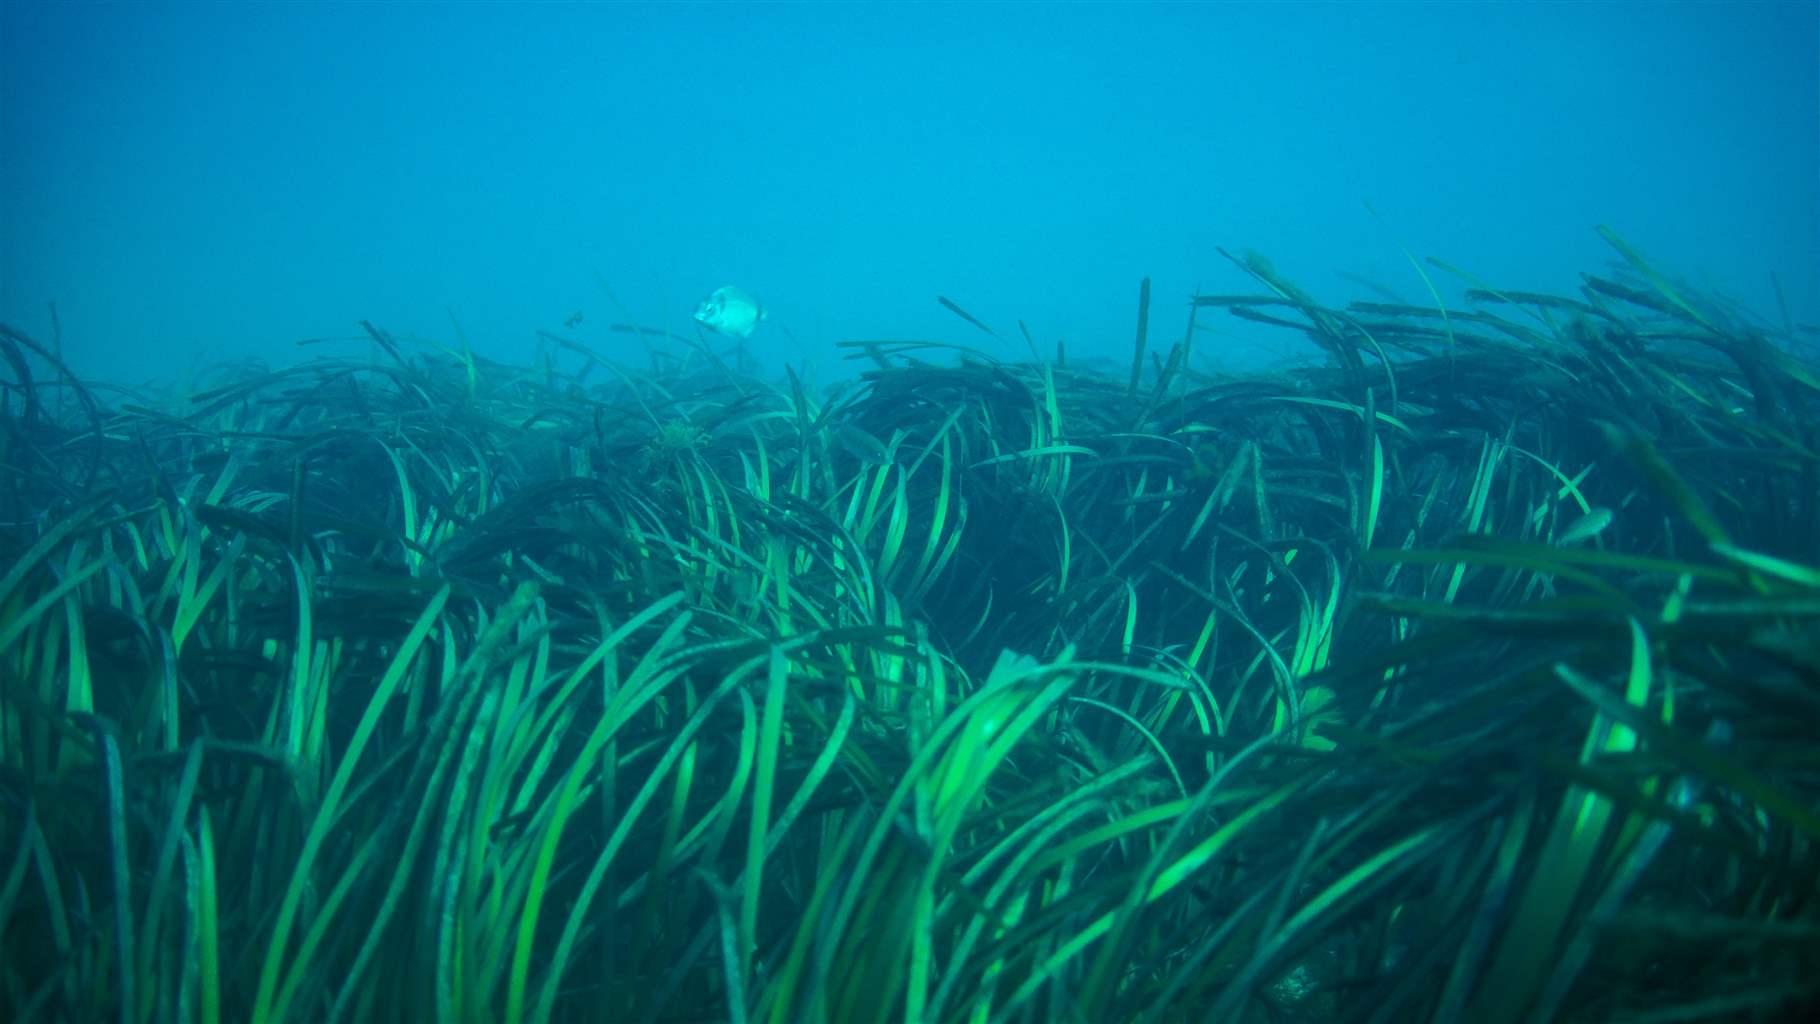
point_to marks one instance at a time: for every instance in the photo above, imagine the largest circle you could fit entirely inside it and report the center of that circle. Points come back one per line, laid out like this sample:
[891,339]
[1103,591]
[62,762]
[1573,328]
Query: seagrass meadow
[1471,675]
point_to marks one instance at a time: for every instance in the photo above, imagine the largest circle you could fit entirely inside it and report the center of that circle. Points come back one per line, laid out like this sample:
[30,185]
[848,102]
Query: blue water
[193,182]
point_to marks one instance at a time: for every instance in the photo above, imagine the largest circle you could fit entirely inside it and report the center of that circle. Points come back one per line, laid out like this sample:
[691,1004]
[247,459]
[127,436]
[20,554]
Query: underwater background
[860,513]
[227,179]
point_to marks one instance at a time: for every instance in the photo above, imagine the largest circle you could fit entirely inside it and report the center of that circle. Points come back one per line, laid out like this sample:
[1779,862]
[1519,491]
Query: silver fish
[860,444]
[730,311]
[1587,526]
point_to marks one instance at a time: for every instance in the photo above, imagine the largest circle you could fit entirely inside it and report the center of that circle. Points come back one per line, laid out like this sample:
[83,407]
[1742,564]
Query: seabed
[1473,675]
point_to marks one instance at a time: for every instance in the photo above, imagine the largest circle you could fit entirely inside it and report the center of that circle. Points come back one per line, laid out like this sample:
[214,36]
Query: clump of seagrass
[1469,675]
